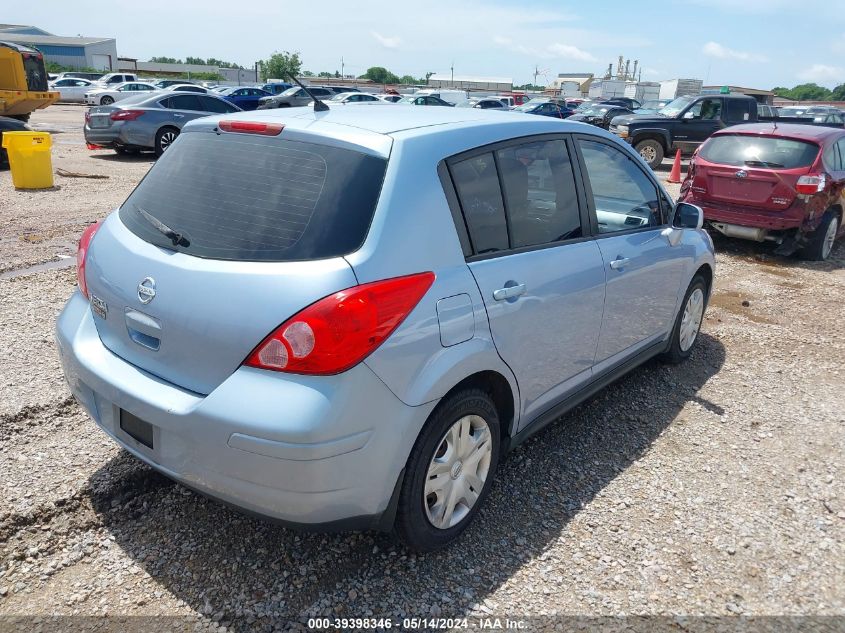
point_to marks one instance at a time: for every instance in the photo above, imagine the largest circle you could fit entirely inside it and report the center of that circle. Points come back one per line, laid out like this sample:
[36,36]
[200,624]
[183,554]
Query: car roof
[370,126]
[788,130]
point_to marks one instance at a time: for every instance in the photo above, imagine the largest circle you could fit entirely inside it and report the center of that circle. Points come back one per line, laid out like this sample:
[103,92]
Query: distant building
[567,84]
[99,53]
[157,69]
[470,82]
[762,96]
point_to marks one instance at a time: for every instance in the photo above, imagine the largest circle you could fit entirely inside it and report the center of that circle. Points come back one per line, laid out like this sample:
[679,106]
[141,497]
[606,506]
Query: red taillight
[251,127]
[92,146]
[82,255]
[340,330]
[125,115]
[810,184]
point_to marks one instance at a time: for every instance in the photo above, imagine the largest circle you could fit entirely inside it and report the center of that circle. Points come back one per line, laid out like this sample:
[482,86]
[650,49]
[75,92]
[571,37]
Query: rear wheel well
[499,390]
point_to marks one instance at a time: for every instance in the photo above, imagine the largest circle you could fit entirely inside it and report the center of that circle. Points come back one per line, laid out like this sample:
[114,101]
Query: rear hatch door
[753,171]
[263,225]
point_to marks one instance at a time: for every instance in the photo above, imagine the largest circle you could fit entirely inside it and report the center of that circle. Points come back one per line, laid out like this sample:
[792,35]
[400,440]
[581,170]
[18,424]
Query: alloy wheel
[691,320]
[166,139]
[648,154]
[457,472]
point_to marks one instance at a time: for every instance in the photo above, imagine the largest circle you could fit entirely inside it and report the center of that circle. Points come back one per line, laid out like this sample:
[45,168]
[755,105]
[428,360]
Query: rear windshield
[756,151]
[252,198]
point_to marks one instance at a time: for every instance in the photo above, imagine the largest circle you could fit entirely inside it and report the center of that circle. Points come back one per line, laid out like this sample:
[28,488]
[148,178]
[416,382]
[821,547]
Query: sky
[751,43]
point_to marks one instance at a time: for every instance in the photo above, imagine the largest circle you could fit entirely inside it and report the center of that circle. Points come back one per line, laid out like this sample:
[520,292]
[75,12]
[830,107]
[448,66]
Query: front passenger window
[623,196]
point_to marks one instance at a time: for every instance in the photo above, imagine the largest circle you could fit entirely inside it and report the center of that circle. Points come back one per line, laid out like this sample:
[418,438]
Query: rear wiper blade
[762,163]
[175,237]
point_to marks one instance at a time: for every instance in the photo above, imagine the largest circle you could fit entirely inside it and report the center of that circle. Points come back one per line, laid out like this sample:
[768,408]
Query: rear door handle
[508,293]
[619,263]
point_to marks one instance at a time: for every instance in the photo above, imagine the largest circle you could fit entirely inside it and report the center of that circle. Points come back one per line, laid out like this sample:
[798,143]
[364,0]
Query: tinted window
[246,197]
[184,102]
[840,145]
[540,195]
[477,186]
[738,109]
[624,197]
[833,156]
[210,104]
[774,153]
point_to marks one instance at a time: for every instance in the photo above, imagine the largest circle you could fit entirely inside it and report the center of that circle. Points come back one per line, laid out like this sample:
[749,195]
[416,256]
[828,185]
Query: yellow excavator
[23,81]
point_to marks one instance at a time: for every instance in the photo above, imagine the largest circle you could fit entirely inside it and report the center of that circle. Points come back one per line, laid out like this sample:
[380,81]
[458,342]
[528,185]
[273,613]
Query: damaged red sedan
[769,182]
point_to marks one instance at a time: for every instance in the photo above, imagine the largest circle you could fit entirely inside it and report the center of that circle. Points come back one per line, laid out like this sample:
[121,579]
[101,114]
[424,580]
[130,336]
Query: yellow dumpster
[29,159]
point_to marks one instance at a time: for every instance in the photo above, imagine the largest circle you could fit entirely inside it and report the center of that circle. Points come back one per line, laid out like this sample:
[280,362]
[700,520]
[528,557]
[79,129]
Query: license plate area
[137,428]
[100,121]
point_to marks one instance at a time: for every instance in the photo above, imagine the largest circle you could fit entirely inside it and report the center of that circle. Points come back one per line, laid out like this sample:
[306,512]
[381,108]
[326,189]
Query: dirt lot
[712,488]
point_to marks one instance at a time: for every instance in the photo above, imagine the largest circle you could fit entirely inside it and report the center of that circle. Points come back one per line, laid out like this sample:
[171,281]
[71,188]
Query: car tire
[164,137]
[688,322]
[651,151]
[820,244]
[463,463]
[107,100]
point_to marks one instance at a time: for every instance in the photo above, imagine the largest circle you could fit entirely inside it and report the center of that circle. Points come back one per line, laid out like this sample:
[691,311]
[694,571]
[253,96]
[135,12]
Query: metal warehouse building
[467,82]
[99,53]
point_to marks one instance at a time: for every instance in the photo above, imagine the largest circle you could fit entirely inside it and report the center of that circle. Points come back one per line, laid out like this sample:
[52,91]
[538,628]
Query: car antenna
[319,106]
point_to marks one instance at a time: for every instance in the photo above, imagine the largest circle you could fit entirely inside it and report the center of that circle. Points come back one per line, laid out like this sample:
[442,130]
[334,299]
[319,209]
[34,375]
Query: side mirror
[688,216]
[689,115]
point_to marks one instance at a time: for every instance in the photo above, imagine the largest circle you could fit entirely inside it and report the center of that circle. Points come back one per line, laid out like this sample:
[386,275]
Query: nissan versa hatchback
[344,319]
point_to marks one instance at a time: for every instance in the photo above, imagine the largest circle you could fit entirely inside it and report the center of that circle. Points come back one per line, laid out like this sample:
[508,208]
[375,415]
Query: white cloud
[386,41]
[714,49]
[551,51]
[822,74]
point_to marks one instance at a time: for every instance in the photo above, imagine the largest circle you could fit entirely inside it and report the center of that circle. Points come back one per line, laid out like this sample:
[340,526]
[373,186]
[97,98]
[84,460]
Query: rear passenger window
[210,104]
[184,102]
[738,110]
[624,197]
[477,186]
[540,194]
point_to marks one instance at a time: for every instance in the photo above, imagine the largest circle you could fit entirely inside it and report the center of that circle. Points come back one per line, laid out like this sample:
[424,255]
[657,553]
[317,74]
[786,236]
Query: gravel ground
[712,488]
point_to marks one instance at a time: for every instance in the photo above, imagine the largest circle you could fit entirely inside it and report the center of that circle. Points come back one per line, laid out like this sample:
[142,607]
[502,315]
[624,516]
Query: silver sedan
[148,122]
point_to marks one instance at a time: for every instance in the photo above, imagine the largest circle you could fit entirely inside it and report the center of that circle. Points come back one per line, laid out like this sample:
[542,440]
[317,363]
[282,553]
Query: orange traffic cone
[675,174]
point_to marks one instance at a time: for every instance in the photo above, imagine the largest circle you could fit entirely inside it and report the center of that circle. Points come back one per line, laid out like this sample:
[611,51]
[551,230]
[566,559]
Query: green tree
[324,73]
[165,60]
[337,74]
[838,93]
[199,61]
[211,61]
[282,65]
[804,92]
[307,73]
[380,75]
[407,79]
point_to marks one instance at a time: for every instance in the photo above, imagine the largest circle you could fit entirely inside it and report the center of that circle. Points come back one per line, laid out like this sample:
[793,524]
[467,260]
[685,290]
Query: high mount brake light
[82,256]
[339,331]
[810,184]
[251,127]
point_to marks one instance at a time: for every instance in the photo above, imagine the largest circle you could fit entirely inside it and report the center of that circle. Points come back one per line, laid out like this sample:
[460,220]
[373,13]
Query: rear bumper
[323,452]
[117,135]
[775,220]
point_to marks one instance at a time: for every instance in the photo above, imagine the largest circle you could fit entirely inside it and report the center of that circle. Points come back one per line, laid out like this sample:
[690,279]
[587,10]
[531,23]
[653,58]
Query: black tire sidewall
[674,354]
[813,250]
[106,101]
[412,524]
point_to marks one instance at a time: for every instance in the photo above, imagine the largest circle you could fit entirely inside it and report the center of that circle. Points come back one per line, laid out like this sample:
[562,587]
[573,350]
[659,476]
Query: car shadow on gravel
[236,569]
[141,157]
[764,255]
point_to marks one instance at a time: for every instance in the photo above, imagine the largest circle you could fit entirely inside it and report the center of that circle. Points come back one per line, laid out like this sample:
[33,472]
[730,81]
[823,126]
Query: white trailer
[672,88]
[643,91]
[607,88]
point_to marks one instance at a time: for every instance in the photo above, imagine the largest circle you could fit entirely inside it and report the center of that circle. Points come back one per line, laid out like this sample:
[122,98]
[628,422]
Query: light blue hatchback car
[342,319]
